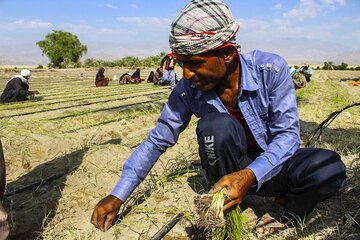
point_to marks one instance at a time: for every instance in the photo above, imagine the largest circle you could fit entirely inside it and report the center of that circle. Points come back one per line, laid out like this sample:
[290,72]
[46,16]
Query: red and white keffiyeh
[203,25]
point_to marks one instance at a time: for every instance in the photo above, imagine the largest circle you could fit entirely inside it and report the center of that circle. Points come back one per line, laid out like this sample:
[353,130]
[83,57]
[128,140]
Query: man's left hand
[237,183]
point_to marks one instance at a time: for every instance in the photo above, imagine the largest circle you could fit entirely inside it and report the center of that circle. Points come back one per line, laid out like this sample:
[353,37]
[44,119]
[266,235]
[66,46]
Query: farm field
[73,139]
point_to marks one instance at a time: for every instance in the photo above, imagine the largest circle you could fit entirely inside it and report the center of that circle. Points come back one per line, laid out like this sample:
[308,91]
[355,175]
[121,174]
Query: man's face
[205,71]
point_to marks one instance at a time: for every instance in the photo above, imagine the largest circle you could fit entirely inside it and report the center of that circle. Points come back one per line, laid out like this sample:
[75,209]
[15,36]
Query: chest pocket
[263,113]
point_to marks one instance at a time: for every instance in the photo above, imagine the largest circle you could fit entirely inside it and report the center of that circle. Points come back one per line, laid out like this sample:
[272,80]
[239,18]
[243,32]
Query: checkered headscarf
[201,26]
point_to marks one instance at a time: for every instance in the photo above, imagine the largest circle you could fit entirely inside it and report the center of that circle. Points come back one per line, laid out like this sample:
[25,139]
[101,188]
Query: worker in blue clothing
[248,131]
[298,78]
[307,71]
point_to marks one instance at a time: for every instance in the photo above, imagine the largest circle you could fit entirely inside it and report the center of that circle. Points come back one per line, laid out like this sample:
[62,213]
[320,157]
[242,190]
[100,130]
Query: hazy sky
[309,30]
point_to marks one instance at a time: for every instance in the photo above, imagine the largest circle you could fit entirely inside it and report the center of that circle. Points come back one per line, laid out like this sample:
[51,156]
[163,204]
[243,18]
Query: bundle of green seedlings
[216,224]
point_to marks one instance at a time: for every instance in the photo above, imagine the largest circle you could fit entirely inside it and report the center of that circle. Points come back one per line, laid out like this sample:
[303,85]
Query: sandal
[268,225]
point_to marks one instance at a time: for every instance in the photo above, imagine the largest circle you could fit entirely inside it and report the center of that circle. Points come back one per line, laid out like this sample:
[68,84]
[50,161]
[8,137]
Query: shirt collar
[248,82]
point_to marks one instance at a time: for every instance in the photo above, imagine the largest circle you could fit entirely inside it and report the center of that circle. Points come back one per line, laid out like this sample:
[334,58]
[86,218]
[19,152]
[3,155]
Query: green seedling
[217,224]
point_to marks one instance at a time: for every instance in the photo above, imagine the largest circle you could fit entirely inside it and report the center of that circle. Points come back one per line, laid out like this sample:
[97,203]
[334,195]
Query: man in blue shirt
[248,132]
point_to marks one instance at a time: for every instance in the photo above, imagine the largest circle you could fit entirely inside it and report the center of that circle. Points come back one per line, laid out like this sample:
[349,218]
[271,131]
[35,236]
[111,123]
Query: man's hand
[35,92]
[237,183]
[105,212]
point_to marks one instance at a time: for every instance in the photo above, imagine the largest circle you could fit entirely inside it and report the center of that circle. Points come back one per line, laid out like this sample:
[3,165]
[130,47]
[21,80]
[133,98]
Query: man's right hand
[35,92]
[237,183]
[105,212]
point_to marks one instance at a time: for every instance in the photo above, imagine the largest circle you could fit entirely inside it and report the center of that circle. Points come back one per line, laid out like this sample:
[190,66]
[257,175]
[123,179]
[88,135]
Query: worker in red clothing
[100,79]
[169,73]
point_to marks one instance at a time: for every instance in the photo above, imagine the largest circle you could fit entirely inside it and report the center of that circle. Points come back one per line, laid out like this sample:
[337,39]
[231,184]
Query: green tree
[130,61]
[328,66]
[62,48]
[343,66]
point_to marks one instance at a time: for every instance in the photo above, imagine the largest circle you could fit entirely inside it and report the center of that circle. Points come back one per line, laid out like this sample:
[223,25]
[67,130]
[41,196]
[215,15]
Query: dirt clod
[208,218]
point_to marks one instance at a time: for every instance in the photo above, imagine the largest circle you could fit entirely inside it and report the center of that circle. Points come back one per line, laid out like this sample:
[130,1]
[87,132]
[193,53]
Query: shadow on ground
[31,200]
[350,79]
[339,138]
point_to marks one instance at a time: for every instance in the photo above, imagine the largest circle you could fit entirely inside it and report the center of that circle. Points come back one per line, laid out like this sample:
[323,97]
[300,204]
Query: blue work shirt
[266,99]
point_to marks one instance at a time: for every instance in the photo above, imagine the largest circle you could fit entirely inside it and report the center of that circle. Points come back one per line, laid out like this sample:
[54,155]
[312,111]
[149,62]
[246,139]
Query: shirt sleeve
[172,121]
[283,126]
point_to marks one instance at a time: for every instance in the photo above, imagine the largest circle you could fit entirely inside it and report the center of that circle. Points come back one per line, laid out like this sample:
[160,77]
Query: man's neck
[228,92]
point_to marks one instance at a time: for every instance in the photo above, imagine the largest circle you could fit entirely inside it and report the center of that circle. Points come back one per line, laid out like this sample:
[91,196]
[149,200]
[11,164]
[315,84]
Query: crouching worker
[307,71]
[101,80]
[158,76]
[298,78]
[135,77]
[125,78]
[248,131]
[150,78]
[17,88]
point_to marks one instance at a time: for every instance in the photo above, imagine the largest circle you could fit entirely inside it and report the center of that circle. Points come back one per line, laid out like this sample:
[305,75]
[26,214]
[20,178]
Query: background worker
[100,79]
[168,64]
[307,71]
[150,78]
[158,76]
[298,78]
[17,88]
[135,77]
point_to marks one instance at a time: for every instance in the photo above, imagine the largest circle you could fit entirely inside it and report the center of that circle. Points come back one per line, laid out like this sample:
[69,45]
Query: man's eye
[190,64]
[194,64]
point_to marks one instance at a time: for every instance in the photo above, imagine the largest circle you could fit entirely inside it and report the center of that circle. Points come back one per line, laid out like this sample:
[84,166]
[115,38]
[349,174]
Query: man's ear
[229,54]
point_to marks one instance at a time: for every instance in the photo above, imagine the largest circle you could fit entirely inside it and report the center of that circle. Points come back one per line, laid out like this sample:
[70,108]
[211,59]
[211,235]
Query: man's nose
[187,73]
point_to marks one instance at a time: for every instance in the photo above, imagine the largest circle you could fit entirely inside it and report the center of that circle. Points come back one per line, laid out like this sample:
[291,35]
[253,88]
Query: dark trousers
[311,175]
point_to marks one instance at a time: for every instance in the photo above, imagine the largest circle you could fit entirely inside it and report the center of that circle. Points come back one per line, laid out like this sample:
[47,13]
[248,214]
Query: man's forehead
[183,57]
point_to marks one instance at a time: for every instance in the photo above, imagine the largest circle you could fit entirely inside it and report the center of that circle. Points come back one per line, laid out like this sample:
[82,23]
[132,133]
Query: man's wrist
[117,199]
[251,175]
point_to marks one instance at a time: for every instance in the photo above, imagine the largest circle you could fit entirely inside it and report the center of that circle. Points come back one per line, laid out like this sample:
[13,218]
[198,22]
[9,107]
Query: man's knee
[327,159]
[312,175]
[319,169]
[320,166]
[330,168]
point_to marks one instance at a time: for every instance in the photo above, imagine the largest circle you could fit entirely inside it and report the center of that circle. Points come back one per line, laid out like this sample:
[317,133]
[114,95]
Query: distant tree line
[343,66]
[330,66]
[129,61]
[64,50]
